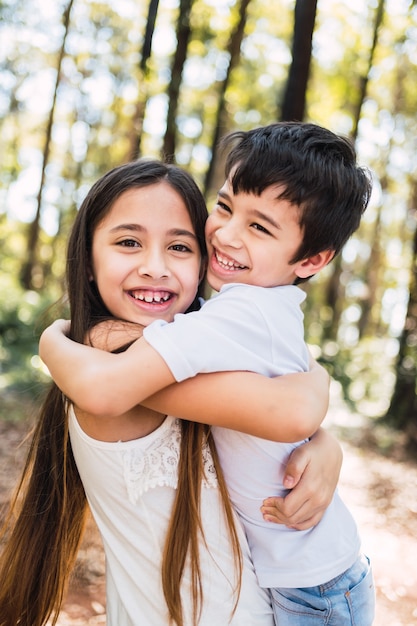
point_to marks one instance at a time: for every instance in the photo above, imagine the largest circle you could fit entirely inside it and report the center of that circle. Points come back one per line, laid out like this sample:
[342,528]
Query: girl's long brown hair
[185,528]
[44,526]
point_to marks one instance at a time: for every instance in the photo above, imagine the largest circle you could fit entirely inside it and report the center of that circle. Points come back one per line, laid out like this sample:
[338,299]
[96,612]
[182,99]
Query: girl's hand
[312,474]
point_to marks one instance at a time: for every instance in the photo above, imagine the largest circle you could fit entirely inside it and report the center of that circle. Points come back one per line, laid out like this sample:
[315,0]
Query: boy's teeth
[228,263]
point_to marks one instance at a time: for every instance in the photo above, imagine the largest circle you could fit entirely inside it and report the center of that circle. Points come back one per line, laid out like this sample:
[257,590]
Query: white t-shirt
[130,487]
[259,329]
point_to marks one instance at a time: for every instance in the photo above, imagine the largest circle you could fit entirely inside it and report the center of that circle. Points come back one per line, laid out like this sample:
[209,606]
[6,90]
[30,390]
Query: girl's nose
[153,265]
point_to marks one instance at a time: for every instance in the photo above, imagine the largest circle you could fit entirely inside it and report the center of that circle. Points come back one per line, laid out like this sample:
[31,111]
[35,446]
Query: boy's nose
[229,235]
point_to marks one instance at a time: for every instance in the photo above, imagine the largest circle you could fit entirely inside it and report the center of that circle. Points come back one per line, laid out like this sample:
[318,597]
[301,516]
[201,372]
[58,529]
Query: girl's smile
[145,256]
[155,297]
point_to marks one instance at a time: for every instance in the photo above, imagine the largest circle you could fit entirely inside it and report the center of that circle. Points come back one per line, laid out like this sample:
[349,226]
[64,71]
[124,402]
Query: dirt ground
[381,490]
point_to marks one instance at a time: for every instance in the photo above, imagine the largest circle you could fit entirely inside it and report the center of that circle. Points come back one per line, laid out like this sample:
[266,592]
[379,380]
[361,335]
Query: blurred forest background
[86,85]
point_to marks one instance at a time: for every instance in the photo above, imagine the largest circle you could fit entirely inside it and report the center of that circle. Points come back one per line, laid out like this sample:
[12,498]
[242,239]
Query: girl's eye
[180,247]
[128,243]
[262,229]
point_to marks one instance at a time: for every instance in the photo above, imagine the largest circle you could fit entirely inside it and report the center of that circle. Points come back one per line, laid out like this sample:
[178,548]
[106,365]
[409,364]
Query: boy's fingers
[295,468]
[297,522]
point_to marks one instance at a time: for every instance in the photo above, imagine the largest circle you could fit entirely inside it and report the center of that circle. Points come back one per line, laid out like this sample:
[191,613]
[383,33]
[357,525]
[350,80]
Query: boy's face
[145,256]
[251,239]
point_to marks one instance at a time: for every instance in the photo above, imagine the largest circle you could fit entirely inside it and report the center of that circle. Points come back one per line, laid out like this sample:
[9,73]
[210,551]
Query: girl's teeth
[151,298]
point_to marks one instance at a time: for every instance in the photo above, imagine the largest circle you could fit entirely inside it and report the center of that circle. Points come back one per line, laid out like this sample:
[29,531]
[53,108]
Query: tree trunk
[363,80]
[334,298]
[366,304]
[368,320]
[221,125]
[135,135]
[402,413]
[294,102]
[183,34]
[29,278]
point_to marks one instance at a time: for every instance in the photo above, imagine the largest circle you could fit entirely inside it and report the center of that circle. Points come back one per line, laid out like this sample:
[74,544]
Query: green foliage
[96,116]
[365,373]
[23,315]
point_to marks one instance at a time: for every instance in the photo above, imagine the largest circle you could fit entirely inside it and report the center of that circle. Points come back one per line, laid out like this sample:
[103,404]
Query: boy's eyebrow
[256,212]
[267,218]
[174,232]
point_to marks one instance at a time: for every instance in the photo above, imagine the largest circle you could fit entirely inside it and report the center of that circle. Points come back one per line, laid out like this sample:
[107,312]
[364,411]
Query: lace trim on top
[156,465]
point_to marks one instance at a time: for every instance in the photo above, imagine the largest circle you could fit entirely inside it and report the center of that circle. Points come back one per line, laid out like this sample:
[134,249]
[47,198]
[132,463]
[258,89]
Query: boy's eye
[222,206]
[260,228]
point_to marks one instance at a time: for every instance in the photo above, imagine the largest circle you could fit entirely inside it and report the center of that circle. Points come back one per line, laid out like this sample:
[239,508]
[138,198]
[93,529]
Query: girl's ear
[314,264]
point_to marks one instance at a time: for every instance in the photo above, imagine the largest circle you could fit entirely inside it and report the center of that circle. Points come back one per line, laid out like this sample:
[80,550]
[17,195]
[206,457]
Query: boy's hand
[312,473]
[113,335]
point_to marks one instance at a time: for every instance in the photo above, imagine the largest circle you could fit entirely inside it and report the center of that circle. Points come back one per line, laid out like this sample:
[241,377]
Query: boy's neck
[237,282]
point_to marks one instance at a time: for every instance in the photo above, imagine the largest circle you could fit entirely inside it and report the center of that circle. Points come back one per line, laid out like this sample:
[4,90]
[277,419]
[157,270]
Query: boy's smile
[252,239]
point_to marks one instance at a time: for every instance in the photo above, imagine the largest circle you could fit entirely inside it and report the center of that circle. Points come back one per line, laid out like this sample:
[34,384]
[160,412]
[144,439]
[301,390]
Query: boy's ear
[314,264]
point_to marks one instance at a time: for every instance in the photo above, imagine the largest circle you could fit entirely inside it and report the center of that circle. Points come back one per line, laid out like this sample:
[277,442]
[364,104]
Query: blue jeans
[347,600]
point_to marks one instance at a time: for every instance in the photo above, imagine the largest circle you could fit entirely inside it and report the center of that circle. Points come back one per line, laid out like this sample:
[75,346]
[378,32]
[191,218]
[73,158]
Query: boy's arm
[210,395]
[99,382]
[285,409]
[313,468]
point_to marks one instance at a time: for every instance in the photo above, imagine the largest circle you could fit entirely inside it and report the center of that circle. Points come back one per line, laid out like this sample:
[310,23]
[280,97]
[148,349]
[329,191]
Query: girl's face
[145,256]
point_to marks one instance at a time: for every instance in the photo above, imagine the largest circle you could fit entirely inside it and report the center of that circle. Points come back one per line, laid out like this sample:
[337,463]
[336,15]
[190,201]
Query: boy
[293,196]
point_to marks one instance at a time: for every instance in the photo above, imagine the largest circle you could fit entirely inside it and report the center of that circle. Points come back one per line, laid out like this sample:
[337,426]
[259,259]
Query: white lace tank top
[131,487]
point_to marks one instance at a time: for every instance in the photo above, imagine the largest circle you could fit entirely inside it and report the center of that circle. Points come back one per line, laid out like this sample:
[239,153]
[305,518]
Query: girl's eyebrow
[173,232]
[181,232]
[133,227]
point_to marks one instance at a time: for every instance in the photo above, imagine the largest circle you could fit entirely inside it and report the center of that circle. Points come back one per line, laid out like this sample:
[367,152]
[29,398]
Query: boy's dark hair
[318,172]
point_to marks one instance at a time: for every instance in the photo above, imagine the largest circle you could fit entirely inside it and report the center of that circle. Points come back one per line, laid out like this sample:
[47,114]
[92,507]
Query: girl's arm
[287,408]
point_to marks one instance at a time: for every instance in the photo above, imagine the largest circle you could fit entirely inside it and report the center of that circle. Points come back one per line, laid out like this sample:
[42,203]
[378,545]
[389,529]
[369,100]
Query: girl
[152,482]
